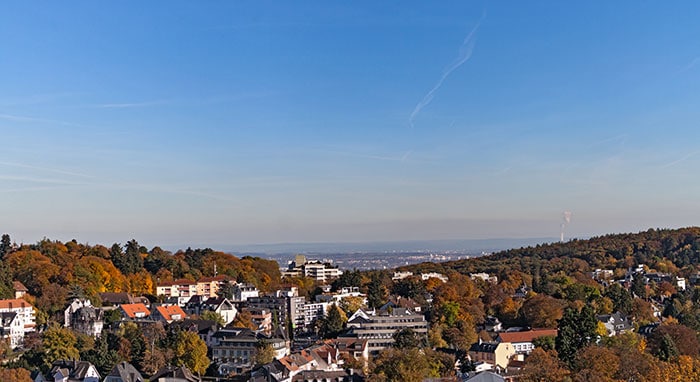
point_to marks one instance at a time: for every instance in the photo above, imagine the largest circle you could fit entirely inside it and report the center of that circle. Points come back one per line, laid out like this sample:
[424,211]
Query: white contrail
[465,53]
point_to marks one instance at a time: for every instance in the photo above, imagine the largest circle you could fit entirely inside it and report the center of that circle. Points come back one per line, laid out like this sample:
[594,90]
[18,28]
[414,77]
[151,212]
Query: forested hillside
[52,270]
[665,250]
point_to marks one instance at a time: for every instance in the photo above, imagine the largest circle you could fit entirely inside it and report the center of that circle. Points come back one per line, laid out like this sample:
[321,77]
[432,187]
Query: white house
[24,310]
[12,328]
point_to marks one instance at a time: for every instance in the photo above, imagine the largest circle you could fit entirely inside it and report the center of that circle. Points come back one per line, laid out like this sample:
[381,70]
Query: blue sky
[263,122]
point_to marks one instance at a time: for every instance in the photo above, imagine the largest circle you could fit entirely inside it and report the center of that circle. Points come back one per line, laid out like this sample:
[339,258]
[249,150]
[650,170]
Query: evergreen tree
[133,259]
[576,330]
[7,289]
[407,338]
[101,356]
[375,293]
[5,246]
[621,298]
[332,324]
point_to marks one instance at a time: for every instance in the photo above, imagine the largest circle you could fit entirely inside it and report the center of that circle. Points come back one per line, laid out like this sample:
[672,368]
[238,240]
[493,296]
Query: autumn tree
[351,304]
[406,365]
[33,269]
[543,366]
[244,320]
[542,311]
[190,351]
[264,353]
[58,343]
[596,363]
[15,375]
[670,341]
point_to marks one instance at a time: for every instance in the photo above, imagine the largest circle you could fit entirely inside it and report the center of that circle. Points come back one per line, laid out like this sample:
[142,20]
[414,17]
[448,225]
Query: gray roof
[74,369]
[126,372]
[175,372]
[484,347]
[486,376]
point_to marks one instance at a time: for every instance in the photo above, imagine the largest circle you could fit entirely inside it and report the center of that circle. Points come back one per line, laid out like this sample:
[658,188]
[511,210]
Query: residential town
[334,324]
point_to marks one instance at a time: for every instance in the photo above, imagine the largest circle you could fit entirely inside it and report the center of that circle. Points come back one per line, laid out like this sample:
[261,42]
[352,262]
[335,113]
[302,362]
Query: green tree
[190,351]
[332,324]
[101,356]
[407,338]
[351,278]
[545,343]
[577,329]
[59,343]
[136,343]
[409,287]
[621,298]
[212,316]
[5,246]
[639,287]
[375,292]
[6,282]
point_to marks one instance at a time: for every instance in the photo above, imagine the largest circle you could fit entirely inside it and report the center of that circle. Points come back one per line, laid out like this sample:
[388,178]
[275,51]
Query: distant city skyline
[266,122]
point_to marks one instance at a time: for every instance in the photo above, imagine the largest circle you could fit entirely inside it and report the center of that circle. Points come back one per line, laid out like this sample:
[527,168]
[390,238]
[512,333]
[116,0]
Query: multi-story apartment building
[183,289]
[315,269]
[209,286]
[378,327]
[244,291]
[314,311]
[286,309]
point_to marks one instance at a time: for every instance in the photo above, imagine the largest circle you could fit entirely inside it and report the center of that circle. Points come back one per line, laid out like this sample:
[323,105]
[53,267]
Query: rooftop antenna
[566,216]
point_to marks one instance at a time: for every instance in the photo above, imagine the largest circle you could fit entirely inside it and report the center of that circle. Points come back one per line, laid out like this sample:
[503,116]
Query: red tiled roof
[14,303]
[167,312]
[132,309]
[527,336]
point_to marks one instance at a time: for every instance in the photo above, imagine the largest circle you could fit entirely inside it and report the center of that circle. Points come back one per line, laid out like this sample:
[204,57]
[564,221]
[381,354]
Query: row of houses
[83,371]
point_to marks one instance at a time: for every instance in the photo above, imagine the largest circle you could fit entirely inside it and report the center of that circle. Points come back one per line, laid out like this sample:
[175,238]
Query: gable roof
[127,372]
[131,309]
[175,372]
[486,376]
[116,298]
[73,369]
[6,318]
[171,312]
[526,336]
[19,287]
